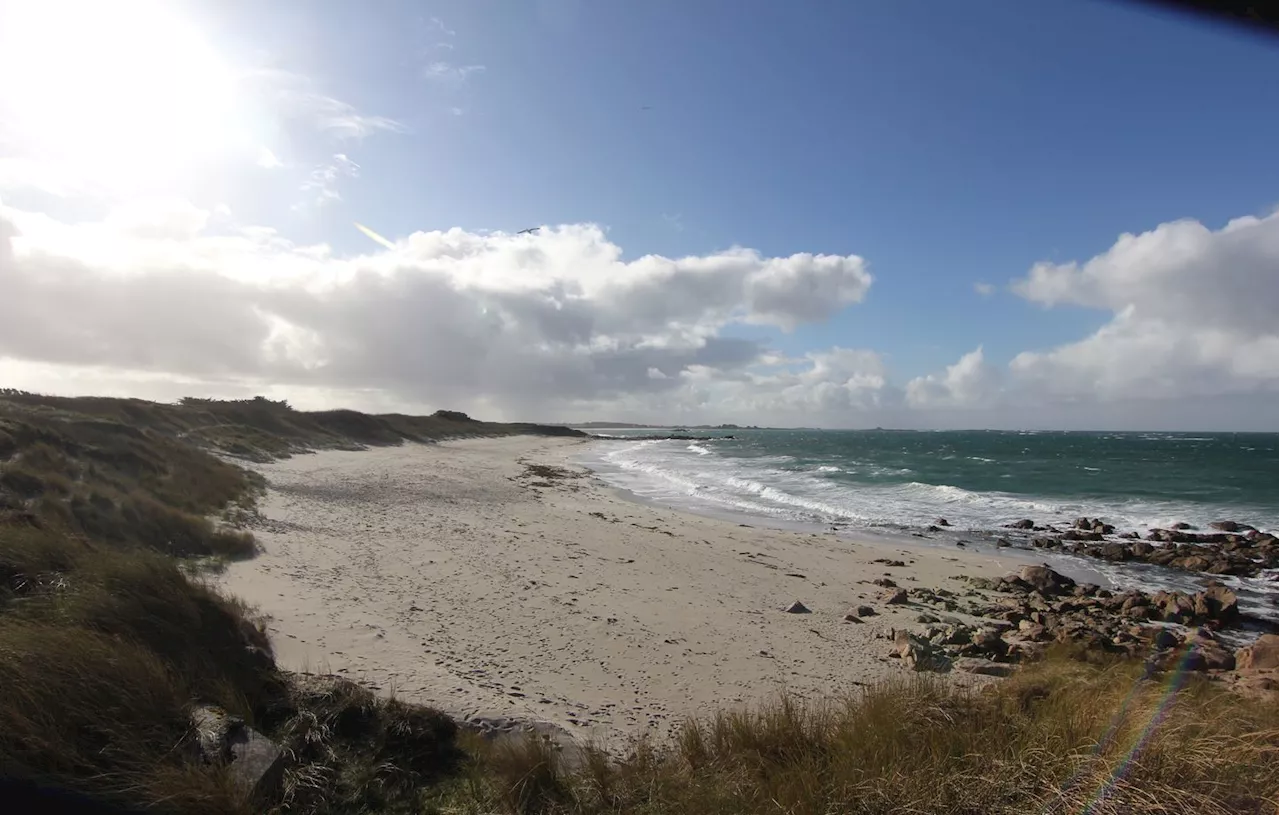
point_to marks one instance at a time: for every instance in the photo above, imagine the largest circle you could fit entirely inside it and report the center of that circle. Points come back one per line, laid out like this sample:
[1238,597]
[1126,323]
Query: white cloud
[448,73]
[323,180]
[161,296]
[984,289]
[968,383]
[296,97]
[1193,318]
[268,160]
[525,326]
[1194,313]
[438,25]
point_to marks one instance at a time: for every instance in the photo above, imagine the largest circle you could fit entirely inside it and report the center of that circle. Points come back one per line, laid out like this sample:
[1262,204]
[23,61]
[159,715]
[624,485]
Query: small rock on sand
[983,667]
[797,608]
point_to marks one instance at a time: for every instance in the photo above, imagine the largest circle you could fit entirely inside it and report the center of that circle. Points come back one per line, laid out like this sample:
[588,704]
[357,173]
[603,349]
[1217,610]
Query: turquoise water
[898,483]
[975,479]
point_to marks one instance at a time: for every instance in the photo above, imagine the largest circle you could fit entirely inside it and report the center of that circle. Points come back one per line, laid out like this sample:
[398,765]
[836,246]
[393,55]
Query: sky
[984,214]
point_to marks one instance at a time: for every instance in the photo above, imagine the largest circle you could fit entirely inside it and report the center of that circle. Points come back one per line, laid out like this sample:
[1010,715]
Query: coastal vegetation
[125,676]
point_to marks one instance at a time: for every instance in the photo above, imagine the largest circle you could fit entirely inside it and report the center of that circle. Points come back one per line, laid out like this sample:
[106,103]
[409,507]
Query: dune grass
[1063,736]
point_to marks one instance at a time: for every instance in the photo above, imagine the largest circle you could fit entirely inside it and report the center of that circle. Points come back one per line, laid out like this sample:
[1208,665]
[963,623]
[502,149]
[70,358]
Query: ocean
[895,483]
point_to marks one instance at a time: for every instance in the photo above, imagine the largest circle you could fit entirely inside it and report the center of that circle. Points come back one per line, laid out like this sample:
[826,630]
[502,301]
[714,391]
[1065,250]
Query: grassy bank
[108,637]
[1062,736]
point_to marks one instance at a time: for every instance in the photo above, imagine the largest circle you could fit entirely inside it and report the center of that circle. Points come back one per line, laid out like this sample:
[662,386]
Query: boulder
[1025,523]
[1214,657]
[1045,580]
[865,611]
[1217,602]
[896,597]
[1181,525]
[885,582]
[1140,548]
[1224,526]
[1115,551]
[1263,654]
[1174,606]
[257,764]
[1031,630]
[918,654]
[987,641]
[942,522]
[1191,563]
[1081,535]
[797,608]
[1165,639]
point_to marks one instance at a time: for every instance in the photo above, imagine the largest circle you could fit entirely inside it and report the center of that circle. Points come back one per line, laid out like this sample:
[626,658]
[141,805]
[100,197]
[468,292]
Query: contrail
[374,236]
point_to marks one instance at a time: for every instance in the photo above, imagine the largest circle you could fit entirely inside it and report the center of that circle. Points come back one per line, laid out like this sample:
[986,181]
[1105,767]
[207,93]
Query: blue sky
[947,144]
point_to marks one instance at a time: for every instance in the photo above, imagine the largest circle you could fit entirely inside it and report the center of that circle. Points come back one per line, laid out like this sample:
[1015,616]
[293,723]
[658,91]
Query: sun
[124,96]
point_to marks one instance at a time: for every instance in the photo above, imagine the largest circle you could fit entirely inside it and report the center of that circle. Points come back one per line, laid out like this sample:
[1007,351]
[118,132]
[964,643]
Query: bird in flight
[529,231]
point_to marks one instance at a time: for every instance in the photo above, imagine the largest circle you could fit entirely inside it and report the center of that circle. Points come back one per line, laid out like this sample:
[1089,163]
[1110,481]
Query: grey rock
[257,764]
[983,667]
[797,608]
[918,654]
[1045,580]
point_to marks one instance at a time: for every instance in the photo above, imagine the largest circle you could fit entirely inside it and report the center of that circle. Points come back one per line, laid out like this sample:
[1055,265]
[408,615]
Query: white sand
[442,573]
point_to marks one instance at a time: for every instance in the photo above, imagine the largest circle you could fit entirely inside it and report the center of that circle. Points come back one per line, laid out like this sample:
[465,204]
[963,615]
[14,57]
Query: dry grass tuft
[1063,737]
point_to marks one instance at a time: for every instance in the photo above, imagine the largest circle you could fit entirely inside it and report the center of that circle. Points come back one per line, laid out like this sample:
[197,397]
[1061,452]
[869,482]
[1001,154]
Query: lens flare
[374,236]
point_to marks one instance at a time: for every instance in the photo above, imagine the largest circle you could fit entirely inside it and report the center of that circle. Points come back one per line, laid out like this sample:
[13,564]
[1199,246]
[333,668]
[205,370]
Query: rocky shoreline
[1021,615]
[1234,549]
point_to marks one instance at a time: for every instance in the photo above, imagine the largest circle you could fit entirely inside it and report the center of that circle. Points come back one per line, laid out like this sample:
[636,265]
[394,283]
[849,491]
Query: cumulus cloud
[161,298]
[969,383]
[1194,312]
[1193,318]
[984,289]
[529,324]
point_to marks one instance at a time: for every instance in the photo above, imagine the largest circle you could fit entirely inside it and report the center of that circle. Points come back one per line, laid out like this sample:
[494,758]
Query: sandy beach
[453,575]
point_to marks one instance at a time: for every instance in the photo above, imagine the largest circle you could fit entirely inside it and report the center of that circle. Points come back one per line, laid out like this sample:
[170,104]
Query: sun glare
[123,95]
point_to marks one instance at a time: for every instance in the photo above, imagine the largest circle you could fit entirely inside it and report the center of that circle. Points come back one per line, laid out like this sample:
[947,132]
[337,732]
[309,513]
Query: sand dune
[454,575]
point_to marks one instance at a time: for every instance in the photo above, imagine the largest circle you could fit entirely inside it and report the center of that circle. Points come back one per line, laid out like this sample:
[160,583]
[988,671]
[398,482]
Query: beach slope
[496,577]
